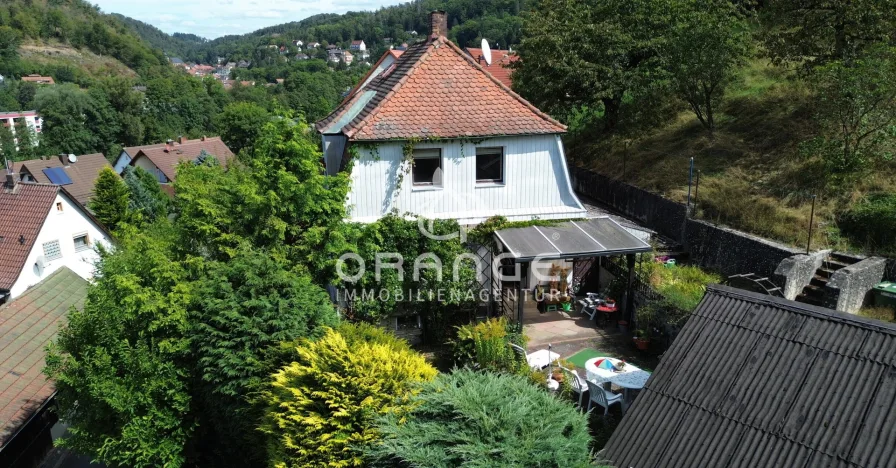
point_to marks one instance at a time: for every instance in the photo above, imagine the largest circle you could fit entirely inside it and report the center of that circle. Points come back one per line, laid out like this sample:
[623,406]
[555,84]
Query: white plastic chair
[602,397]
[578,384]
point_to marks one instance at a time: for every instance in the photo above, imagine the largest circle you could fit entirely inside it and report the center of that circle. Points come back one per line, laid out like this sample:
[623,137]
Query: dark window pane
[489,165]
[427,167]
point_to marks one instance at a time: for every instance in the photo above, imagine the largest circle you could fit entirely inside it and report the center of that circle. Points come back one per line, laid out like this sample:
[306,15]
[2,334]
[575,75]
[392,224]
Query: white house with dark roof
[478,150]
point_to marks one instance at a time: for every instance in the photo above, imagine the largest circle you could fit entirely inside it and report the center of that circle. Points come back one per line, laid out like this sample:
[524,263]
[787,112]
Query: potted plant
[556,372]
[623,326]
[642,339]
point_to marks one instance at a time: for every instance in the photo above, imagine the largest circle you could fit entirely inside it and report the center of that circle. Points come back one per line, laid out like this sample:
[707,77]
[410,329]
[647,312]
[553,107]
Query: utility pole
[690,181]
[811,222]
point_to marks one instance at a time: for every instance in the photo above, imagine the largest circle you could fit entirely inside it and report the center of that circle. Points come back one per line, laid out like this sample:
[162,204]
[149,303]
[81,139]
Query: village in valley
[464,245]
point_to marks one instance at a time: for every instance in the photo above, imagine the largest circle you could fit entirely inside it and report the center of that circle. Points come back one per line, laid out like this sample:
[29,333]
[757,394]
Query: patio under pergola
[555,259]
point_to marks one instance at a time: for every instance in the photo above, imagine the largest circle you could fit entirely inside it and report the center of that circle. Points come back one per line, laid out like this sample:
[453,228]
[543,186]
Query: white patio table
[630,378]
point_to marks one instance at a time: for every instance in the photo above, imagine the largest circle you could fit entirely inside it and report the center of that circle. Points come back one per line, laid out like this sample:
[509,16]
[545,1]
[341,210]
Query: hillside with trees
[776,101]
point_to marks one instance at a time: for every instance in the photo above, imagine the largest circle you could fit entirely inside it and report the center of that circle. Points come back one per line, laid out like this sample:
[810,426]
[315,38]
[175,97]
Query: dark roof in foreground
[83,172]
[27,325]
[755,381]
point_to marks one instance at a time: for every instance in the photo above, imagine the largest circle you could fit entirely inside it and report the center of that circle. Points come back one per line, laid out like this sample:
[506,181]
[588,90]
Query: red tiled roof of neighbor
[167,159]
[24,210]
[83,172]
[436,90]
[27,325]
[500,61]
[39,79]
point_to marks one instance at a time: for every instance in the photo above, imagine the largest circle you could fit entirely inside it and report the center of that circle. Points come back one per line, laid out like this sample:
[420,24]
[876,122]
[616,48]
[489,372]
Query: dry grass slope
[753,175]
[57,54]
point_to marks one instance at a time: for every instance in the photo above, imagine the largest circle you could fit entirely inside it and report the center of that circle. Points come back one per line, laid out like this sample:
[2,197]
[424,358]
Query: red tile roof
[27,325]
[23,211]
[500,61]
[83,172]
[39,79]
[167,159]
[435,90]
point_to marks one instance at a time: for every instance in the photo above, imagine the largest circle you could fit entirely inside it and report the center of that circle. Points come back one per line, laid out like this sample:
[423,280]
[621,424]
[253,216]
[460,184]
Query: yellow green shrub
[321,408]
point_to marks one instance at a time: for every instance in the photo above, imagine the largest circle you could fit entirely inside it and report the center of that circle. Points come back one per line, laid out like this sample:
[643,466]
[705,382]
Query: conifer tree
[110,199]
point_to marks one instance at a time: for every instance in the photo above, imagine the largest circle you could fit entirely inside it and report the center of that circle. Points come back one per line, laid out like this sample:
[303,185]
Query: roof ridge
[800,308]
[504,87]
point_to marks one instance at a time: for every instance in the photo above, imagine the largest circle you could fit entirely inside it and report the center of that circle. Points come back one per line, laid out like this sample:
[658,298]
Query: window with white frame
[82,242]
[490,165]
[427,168]
[52,250]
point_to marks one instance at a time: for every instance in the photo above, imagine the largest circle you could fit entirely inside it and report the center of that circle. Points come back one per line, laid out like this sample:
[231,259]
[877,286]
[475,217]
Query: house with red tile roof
[41,80]
[42,229]
[161,159]
[439,136]
[82,172]
[27,325]
[500,66]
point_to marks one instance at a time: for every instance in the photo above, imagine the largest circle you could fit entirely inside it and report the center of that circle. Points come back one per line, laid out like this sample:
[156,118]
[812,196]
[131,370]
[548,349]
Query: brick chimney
[439,22]
[181,139]
[169,144]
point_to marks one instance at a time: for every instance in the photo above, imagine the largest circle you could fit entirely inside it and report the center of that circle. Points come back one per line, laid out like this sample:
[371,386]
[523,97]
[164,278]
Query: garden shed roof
[754,380]
[594,237]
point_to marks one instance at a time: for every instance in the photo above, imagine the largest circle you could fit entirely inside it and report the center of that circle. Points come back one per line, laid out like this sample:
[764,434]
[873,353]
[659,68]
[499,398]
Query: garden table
[630,378]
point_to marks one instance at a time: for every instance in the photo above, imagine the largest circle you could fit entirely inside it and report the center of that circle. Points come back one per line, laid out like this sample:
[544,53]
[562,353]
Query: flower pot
[567,306]
[642,343]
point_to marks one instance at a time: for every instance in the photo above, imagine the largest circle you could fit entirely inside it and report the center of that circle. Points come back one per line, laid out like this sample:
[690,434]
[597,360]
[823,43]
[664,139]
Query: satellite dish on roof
[486,52]
[72,158]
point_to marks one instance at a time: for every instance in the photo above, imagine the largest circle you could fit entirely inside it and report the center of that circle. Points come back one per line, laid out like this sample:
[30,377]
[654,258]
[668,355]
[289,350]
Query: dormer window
[427,170]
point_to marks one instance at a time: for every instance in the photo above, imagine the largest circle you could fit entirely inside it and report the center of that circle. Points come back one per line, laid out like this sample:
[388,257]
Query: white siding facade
[536,183]
[62,226]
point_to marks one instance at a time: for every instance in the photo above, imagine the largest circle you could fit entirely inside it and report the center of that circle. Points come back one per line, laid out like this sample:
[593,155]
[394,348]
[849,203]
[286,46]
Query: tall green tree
[110,199]
[75,121]
[240,124]
[578,53]
[9,50]
[855,110]
[27,140]
[707,42]
[7,143]
[815,32]
[145,196]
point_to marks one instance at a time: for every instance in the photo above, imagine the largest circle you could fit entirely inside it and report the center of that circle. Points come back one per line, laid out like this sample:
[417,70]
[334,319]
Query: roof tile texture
[83,172]
[167,160]
[758,381]
[23,211]
[435,90]
[499,67]
[27,325]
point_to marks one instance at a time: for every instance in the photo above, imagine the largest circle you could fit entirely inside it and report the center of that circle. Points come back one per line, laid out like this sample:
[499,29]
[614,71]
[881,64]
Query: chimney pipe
[11,178]
[181,139]
[439,22]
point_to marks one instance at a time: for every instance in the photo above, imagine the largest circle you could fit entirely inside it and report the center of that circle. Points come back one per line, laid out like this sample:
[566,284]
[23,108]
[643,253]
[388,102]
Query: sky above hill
[215,18]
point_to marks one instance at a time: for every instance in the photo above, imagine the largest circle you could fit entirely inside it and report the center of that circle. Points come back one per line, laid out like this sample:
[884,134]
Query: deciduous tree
[240,124]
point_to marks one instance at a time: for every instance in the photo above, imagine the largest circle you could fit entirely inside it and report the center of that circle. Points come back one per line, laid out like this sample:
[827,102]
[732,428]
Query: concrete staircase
[814,292]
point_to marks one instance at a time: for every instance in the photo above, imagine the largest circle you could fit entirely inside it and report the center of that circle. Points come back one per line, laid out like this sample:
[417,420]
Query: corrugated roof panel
[791,394]
[833,382]
[876,443]
[570,239]
[768,384]
[525,242]
[610,234]
[880,347]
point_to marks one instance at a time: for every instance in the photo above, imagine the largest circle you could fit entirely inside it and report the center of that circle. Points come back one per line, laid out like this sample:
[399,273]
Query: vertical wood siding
[536,183]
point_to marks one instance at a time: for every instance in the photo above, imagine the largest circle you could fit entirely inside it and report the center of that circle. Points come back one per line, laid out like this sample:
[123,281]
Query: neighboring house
[500,66]
[162,160]
[335,55]
[41,80]
[202,70]
[302,56]
[77,174]
[212,145]
[758,381]
[314,45]
[28,325]
[403,47]
[42,229]
[360,48]
[299,43]
[34,122]
[481,150]
[347,57]
[177,62]
[243,64]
